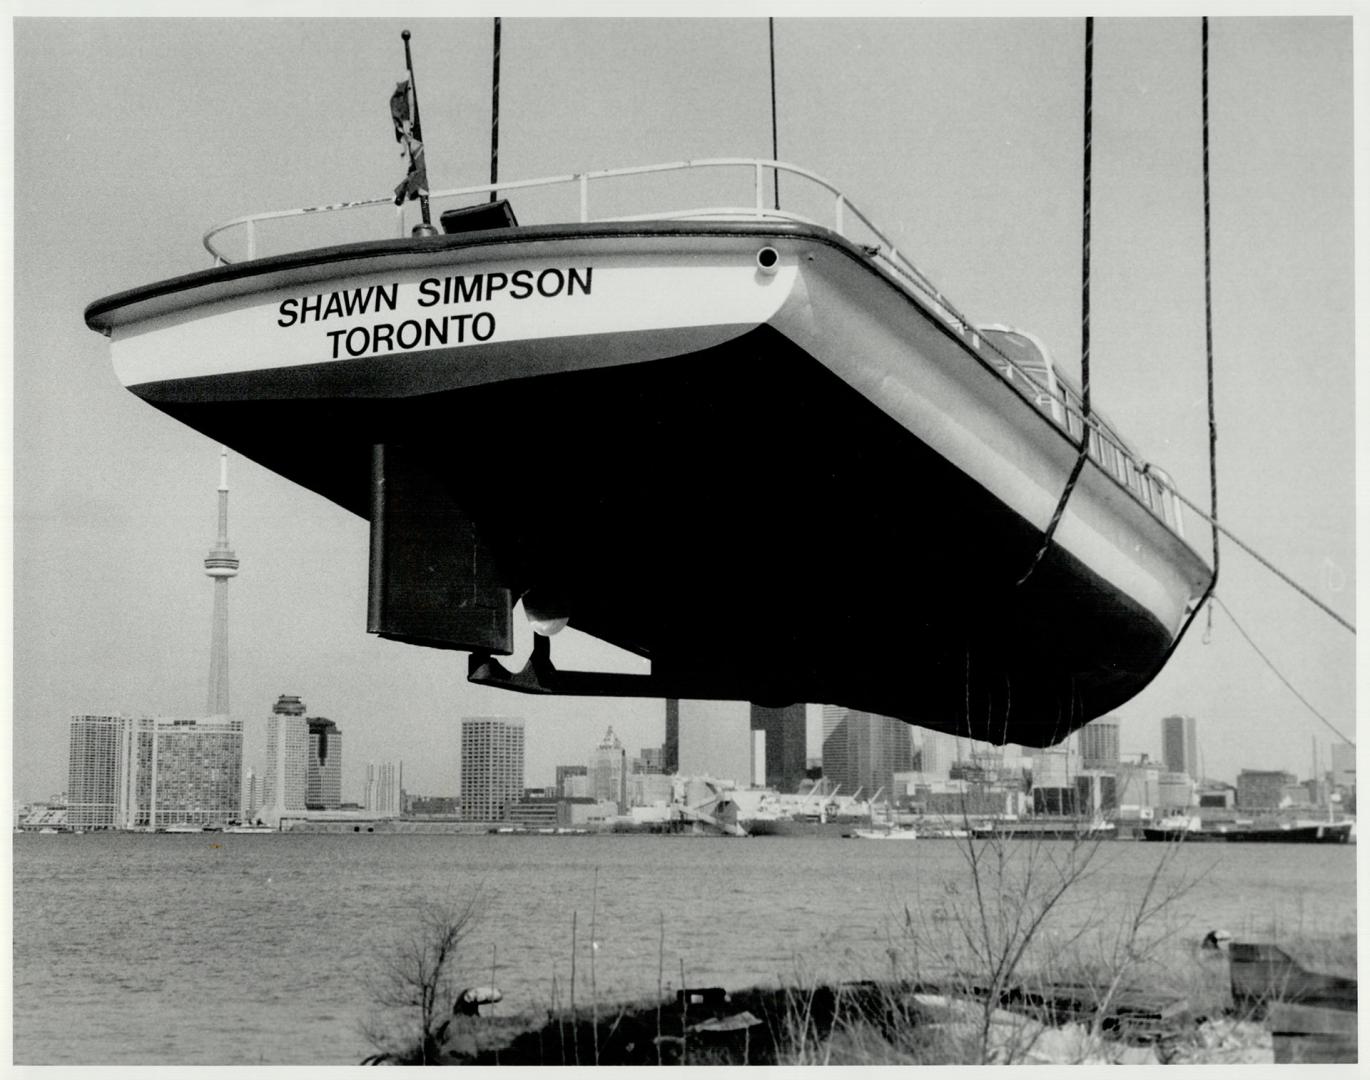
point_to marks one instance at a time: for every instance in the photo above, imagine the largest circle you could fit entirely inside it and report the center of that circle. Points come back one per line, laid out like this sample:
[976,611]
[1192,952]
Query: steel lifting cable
[1083,455]
[1306,594]
[1290,686]
[1208,328]
[1212,517]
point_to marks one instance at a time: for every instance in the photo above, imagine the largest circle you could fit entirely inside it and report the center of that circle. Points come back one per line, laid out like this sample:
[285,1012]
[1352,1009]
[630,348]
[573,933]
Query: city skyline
[98,472]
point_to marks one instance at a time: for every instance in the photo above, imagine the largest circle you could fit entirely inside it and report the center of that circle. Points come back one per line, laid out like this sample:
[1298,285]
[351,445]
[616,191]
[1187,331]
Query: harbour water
[221,949]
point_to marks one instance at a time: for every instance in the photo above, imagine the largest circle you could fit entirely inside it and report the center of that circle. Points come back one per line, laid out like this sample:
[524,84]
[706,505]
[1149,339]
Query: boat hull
[784,487]
[1328,833]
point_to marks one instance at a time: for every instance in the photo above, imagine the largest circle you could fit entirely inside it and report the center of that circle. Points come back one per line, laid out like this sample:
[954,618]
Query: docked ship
[1278,832]
[621,424]
[1045,827]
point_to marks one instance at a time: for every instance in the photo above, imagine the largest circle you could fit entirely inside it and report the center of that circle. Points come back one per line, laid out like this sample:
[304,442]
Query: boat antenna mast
[775,131]
[409,131]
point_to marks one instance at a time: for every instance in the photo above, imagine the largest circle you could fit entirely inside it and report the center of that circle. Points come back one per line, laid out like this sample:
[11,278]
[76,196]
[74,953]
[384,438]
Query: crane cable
[1208,338]
[1081,457]
[1268,663]
[1305,593]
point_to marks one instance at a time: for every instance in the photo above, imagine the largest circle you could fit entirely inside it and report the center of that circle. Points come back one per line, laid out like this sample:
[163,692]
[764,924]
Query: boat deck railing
[1148,484]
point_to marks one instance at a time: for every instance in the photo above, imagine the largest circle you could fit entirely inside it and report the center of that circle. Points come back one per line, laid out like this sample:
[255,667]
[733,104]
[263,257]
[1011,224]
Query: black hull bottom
[1303,834]
[747,520]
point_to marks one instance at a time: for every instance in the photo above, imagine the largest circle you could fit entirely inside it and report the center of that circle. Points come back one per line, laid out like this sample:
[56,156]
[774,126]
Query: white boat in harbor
[648,378]
[885,834]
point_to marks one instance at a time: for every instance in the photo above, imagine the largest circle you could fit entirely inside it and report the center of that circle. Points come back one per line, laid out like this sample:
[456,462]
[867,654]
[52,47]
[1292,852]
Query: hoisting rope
[494,117]
[1217,600]
[1084,310]
[1263,560]
[1208,338]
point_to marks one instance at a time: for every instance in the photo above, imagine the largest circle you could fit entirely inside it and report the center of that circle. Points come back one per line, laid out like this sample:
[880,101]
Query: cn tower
[221,564]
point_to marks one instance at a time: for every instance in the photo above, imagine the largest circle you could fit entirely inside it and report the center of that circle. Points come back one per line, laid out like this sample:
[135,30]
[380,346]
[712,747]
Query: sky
[961,138]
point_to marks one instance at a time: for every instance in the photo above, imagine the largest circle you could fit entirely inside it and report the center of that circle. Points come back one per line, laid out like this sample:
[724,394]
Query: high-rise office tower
[787,735]
[287,755]
[323,774]
[390,789]
[491,766]
[1099,746]
[1180,745]
[221,564]
[941,751]
[670,748]
[864,750]
[608,771]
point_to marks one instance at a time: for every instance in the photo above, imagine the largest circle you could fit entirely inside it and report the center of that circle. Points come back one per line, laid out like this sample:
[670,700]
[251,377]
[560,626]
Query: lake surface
[257,949]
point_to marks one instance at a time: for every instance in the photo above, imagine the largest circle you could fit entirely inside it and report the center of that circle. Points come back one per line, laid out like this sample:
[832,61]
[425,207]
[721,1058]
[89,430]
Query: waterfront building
[1180,745]
[1054,775]
[715,740]
[863,752]
[323,772]
[539,813]
[139,773]
[1096,793]
[287,755]
[1175,791]
[1139,789]
[565,774]
[383,794]
[136,745]
[648,789]
[95,770]
[649,760]
[832,715]
[1263,789]
[197,771]
[1054,767]
[940,753]
[787,735]
[1099,744]
[608,771]
[491,766]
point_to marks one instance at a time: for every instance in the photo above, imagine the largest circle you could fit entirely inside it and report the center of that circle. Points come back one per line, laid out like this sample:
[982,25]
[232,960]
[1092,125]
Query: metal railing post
[584,198]
[837,215]
[760,199]
[251,240]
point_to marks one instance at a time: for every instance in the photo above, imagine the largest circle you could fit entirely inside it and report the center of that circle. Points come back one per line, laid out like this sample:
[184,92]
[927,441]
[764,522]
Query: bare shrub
[416,982]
